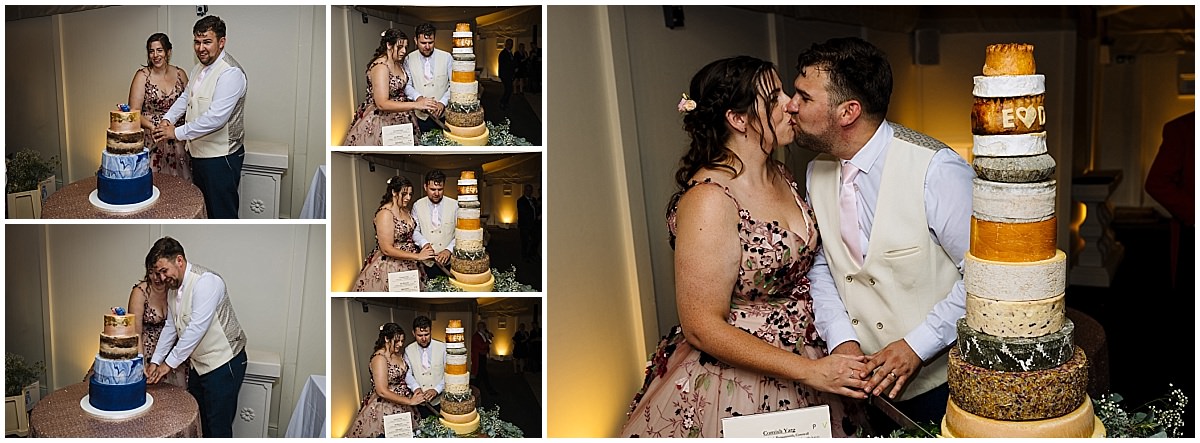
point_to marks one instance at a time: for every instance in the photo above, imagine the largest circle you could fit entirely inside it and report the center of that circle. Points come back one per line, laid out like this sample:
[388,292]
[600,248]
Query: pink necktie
[428,68]
[436,215]
[848,201]
[425,358]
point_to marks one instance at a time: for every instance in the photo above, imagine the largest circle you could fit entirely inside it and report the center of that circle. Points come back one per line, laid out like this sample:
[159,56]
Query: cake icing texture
[124,176]
[118,381]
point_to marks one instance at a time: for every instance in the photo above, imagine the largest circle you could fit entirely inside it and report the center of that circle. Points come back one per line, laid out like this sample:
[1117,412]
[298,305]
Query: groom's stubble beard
[813,142]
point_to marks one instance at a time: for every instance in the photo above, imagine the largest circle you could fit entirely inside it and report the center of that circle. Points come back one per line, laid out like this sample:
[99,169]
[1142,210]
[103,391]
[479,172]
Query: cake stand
[115,415]
[94,198]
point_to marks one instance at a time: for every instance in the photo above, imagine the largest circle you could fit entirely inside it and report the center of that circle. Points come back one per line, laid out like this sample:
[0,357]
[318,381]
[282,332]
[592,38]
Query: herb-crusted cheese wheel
[1014,242]
[1016,318]
[1080,423]
[1009,59]
[1031,395]
[458,408]
[1013,202]
[470,266]
[1005,281]
[1015,354]
[1008,115]
[1027,169]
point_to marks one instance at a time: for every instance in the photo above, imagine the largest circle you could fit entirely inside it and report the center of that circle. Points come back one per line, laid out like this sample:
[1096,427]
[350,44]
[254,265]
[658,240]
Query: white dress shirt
[231,86]
[209,288]
[946,199]
[411,380]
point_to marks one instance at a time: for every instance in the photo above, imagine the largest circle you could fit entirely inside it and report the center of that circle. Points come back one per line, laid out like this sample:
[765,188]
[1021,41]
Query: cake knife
[894,413]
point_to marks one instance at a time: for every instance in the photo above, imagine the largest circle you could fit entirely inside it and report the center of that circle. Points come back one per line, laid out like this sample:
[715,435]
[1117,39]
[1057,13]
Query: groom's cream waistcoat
[905,272]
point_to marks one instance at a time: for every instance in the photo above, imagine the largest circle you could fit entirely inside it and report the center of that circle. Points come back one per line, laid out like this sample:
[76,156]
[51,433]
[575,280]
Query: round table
[174,414]
[178,198]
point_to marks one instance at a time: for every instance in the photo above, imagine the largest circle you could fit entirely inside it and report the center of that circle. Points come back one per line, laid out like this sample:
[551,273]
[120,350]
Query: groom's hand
[893,366]
[160,371]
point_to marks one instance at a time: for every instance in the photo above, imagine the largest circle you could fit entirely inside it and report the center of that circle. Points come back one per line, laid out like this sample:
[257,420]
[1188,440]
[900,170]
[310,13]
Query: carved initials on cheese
[1025,115]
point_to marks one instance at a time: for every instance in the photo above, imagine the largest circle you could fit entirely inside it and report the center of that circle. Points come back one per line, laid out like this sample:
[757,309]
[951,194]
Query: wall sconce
[364,15]
[508,190]
[502,323]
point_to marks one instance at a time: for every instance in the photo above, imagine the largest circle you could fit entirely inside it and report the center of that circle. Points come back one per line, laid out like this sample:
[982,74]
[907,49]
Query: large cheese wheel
[463,42]
[1024,169]
[468,234]
[1013,202]
[1080,423]
[1008,115]
[454,330]
[456,359]
[467,182]
[472,279]
[456,369]
[482,287]
[468,189]
[466,175]
[458,381]
[1015,354]
[479,140]
[1016,318]
[468,213]
[1013,145]
[462,77]
[1031,395]
[1009,59]
[1025,281]
[467,132]
[469,199]
[462,262]
[462,50]
[468,223]
[1014,242]
[1009,85]
[452,408]
[462,428]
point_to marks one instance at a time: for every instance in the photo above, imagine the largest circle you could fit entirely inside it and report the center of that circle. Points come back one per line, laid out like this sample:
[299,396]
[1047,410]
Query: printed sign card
[810,422]
[404,281]
[399,135]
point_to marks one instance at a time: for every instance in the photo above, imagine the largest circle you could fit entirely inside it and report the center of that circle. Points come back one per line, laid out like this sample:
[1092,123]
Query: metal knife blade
[894,413]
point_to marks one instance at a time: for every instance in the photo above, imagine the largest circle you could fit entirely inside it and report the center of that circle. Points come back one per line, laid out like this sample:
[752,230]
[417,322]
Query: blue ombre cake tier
[117,385]
[124,179]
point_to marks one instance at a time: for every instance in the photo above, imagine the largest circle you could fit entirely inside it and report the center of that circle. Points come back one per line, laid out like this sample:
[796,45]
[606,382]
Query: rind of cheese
[466,175]
[461,34]
[479,140]
[458,379]
[465,88]
[1024,169]
[1013,202]
[462,77]
[462,50]
[462,66]
[1080,423]
[1014,242]
[457,408]
[472,279]
[455,345]
[1016,318]
[1018,396]
[468,213]
[463,42]
[468,223]
[467,131]
[468,234]
[1008,115]
[1009,85]
[1015,354]
[468,189]
[1012,145]
[482,287]
[454,330]
[456,359]
[1026,281]
[467,182]
[1009,59]
[455,369]
[462,428]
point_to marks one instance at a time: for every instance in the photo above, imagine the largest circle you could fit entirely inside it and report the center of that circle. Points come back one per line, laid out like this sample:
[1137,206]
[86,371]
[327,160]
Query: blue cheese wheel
[1018,396]
[1014,354]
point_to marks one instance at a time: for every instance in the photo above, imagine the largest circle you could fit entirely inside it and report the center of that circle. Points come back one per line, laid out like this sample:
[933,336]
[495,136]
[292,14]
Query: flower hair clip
[686,104]
[381,327]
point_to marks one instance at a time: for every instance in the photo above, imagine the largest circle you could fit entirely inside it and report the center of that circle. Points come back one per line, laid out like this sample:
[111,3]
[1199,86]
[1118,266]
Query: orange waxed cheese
[456,369]
[468,223]
[462,76]
[1014,242]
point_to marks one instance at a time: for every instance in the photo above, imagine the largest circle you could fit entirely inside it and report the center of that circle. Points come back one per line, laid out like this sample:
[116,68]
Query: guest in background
[481,345]
[529,220]
[508,73]
[385,103]
[155,88]
[1172,183]
[520,347]
[395,249]
[519,59]
[390,393]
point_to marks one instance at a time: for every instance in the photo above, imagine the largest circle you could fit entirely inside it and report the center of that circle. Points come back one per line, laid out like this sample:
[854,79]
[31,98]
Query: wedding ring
[892,374]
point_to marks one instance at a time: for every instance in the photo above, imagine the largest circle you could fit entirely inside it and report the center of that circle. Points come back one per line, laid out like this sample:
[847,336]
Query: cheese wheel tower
[458,404]
[1015,371]
[464,115]
[470,265]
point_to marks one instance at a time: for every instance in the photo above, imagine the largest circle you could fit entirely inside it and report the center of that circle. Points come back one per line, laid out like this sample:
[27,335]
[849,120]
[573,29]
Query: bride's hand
[839,374]
[425,253]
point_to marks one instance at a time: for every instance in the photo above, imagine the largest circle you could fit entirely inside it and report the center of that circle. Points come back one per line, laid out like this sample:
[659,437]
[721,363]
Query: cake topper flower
[118,310]
[686,104]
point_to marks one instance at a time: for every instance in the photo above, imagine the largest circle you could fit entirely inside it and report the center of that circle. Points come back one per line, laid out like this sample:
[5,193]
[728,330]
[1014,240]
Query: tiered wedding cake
[464,115]
[470,264]
[119,380]
[1016,371]
[458,404]
[124,177]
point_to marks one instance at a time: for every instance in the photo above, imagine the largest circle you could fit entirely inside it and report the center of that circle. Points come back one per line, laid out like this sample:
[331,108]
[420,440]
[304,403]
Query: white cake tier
[1008,281]
[1009,85]
[455,345]
[468,198]
[463,51]
[1012,145]
[1013,202]
[468,182]
[462,66]
[454,330]
[461,34]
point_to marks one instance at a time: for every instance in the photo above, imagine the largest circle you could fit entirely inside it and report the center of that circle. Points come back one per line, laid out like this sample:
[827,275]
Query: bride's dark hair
[730,84]
[394,185]
[389,37]
[163,40]
[387,332]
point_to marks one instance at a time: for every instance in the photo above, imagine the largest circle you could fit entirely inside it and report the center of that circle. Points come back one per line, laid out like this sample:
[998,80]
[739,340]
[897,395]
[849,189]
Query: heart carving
[1027,115]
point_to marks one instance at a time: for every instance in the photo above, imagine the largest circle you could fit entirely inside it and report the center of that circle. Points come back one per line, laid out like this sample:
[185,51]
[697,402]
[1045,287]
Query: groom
[214,100]
[891,289]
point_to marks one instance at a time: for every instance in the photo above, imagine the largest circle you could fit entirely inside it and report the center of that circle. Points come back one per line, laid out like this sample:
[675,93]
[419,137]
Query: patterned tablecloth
[174,414]
[178,198]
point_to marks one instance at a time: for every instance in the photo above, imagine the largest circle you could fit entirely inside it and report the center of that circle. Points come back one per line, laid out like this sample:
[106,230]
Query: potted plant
[21,391]
[30,181]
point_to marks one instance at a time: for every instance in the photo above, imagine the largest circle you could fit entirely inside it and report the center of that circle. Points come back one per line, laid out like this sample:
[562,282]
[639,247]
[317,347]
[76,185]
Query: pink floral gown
[367,128]
[369,421]
[170,156]
[374,274]
[687,391]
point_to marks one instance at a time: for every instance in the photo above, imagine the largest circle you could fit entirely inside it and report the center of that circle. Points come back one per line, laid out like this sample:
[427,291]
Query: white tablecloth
[314,203]
[309,418]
